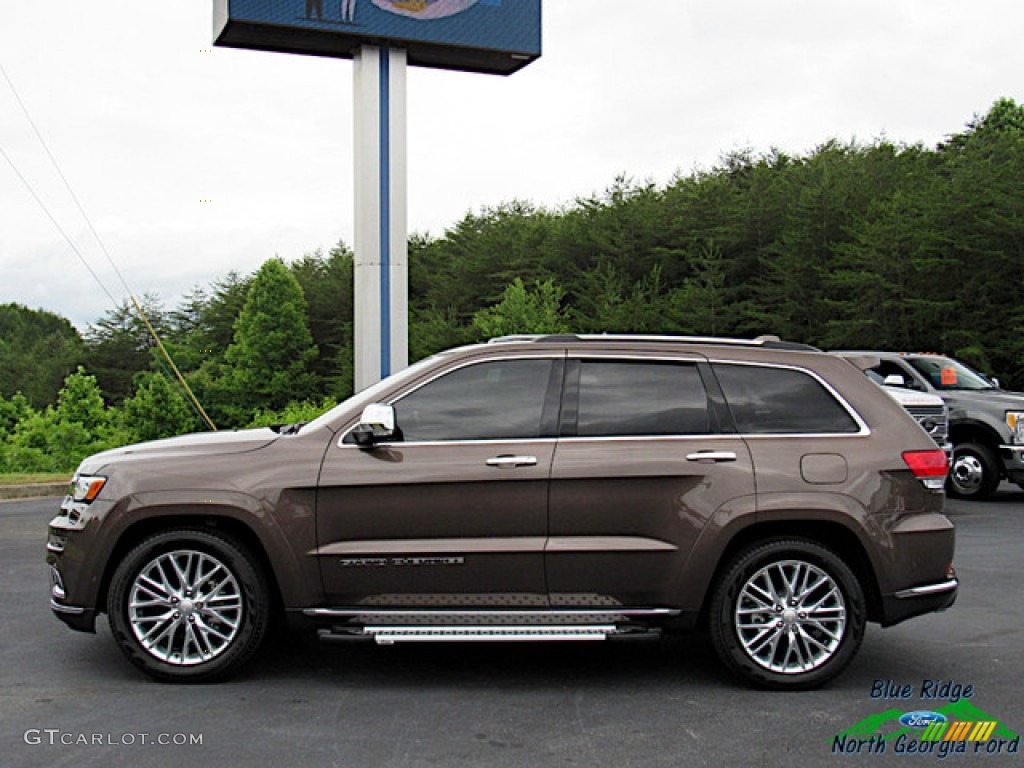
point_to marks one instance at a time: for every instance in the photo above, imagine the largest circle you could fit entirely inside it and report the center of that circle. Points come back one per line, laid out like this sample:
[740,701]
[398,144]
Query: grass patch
[41,477]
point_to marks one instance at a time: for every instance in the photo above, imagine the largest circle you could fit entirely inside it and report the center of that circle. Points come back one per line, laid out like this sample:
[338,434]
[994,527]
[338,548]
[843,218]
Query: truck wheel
[188,606]
[974,473]
[787,614]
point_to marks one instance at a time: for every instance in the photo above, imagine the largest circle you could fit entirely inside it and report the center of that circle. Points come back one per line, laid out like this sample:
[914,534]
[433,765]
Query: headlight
[85,488]
[1015,421]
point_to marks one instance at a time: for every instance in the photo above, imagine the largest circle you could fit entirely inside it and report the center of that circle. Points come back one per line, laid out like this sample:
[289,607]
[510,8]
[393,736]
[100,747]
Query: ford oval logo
[922,719]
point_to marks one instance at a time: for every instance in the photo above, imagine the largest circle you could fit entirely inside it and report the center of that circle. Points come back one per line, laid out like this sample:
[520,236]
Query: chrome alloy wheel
[790,617]
[967,474]
[185,607]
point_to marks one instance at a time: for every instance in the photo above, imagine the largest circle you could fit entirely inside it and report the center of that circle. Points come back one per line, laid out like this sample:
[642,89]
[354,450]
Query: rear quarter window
[781,401]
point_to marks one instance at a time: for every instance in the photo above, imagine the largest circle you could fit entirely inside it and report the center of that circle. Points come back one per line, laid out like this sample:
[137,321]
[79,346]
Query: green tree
[57,439]
[12,412]
[273,347]
[524,310]
[158,409]
[294,413]
[38,349]
[432,330]
[119,345]
[327,285]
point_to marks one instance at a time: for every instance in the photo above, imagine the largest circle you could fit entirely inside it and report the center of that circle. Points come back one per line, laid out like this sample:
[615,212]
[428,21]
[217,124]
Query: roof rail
[765,342]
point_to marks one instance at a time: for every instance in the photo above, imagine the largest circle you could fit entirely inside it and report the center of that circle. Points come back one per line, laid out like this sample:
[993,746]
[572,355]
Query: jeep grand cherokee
[533,488]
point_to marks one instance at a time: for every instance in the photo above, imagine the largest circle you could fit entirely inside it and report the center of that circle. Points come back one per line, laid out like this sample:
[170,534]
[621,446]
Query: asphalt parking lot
[71,699]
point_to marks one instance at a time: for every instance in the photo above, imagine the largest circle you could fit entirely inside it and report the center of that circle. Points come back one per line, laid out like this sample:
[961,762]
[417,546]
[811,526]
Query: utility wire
[63,178]
[177,373]
[99,240]
[57,225]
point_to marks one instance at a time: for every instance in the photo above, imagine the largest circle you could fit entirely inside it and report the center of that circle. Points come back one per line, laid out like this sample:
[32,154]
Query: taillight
[930,467]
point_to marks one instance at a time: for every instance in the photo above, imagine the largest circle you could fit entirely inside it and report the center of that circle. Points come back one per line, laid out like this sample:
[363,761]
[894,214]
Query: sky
[192,161]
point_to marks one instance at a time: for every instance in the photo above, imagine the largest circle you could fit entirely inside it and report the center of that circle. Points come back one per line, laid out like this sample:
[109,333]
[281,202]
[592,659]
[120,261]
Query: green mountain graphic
[875,725]
[872,724]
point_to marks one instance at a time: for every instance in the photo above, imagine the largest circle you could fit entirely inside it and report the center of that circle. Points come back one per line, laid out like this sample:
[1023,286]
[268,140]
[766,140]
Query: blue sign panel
[496,36]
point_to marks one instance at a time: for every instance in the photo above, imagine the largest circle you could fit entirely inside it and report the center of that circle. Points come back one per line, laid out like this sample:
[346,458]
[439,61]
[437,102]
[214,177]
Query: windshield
[369,395]
[944,373]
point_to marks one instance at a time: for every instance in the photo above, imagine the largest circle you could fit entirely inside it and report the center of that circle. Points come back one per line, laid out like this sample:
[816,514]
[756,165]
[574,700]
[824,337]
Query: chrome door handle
[715,456]
[512,461]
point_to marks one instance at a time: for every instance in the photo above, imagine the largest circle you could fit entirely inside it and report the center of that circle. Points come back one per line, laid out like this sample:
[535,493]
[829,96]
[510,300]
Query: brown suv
[533,488]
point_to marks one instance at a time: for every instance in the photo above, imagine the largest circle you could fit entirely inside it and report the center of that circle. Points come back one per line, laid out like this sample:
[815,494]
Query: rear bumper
[915,601]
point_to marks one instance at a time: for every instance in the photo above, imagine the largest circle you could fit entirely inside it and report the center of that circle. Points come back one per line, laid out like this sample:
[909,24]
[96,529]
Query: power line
[99,240]
[63,178]
[60,229]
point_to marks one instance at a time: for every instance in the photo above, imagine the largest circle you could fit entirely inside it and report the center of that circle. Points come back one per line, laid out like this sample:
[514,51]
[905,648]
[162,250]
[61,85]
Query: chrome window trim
[710,436]
[863,430]
[495,441]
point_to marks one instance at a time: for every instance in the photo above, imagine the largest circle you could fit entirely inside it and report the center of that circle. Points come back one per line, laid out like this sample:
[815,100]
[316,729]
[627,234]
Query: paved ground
[600,704]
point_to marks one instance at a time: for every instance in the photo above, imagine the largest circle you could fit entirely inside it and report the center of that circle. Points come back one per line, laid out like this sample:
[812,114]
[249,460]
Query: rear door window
[625,398]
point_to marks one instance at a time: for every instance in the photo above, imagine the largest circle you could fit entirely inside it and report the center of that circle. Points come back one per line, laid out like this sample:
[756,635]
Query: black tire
[781,646]
[189,605]
[974,473]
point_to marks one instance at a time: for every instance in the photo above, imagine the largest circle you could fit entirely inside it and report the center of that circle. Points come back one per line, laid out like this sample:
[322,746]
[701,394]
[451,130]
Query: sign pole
[490,36]
[381,228]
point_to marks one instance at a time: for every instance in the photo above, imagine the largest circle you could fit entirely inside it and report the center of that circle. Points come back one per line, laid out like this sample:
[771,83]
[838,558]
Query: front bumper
[75,616]
[1013,462]
[74,577]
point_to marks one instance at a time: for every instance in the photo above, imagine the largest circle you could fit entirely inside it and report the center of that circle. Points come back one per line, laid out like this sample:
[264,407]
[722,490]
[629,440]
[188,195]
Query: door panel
[625,514]
[453,513]
[640,471]
[434,525]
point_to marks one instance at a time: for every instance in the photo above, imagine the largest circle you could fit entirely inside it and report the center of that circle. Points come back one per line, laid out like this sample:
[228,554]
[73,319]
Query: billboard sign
[493,36]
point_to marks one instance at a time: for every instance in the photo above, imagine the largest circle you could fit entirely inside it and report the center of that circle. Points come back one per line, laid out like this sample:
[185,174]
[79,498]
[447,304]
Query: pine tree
[273,347]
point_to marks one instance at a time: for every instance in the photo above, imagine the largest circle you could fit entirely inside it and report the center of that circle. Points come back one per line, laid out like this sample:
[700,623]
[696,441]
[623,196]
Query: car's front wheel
[188,605]
[787,614]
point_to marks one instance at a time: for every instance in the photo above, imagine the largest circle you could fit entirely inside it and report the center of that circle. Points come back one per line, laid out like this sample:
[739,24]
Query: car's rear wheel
[787,614]
[974,473]
[189,605]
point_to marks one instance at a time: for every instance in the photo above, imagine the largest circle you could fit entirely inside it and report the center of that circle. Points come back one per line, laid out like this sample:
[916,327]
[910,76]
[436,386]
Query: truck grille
[935,421]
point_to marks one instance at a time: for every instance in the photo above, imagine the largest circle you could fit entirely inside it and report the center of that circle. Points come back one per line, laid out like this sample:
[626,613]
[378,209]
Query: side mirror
[895,380]
[376,425]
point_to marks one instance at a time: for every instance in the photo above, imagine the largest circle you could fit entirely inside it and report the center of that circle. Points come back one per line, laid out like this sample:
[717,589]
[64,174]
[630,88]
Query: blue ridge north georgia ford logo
[921,719]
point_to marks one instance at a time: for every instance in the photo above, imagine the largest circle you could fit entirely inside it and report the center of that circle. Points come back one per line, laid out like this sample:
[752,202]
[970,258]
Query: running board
[390,635]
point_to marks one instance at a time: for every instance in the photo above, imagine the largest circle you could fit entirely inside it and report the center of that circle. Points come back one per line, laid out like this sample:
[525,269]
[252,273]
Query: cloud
[149,123]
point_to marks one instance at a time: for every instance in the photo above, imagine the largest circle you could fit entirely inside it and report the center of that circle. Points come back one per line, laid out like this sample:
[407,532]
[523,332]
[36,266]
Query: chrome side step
[493,634]
[388,626]
[486,633]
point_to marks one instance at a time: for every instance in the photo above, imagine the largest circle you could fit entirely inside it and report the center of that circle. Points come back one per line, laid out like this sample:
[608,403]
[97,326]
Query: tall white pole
[381,230]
